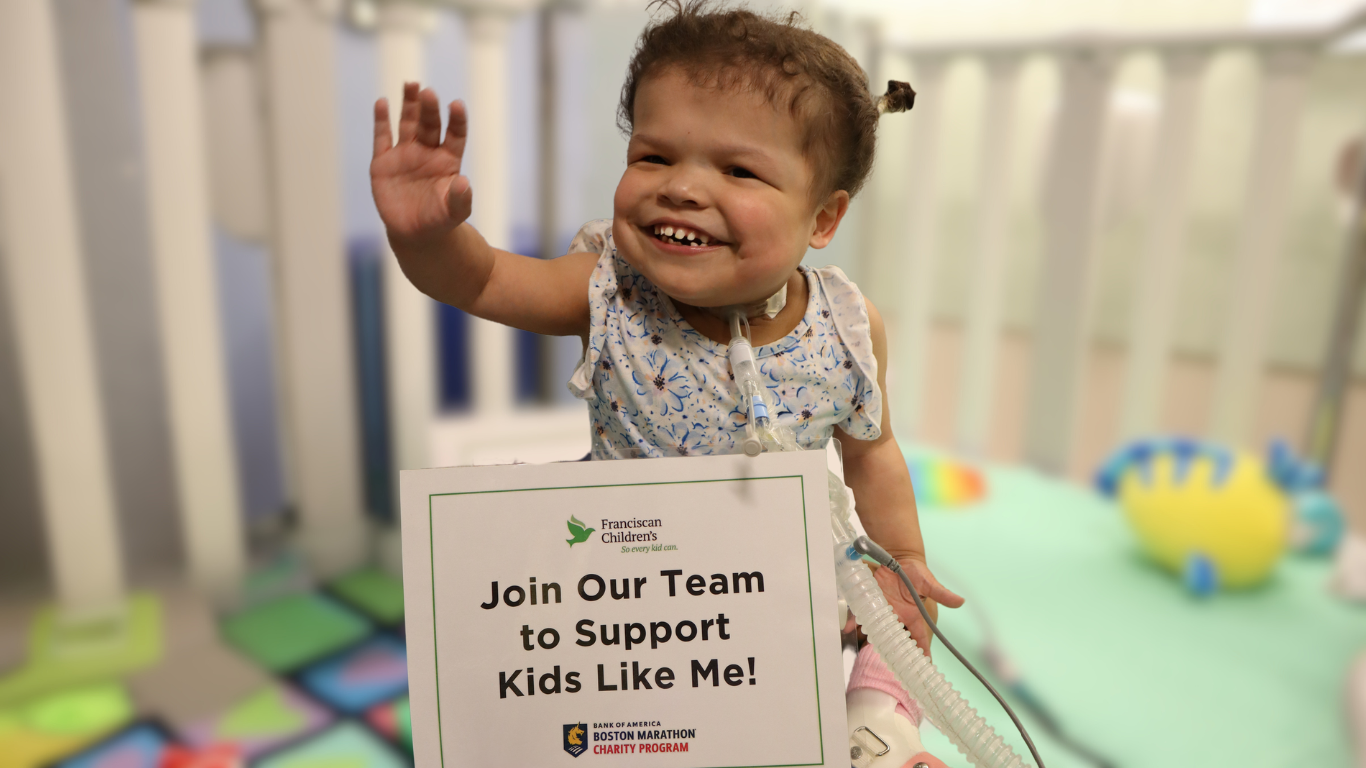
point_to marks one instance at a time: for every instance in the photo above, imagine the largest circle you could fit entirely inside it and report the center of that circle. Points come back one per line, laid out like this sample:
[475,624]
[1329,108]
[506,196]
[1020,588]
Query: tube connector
[751,388]
[866,546]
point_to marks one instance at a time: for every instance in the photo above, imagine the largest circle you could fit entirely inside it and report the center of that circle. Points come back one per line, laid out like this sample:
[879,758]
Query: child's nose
[684,187]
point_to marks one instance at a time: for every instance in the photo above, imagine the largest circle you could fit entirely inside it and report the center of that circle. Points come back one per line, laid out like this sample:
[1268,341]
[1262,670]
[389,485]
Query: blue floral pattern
[656,387]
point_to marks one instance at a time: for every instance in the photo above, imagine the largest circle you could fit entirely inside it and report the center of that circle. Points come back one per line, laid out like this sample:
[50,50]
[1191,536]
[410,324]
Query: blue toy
[1318,526]
[1291,472]
[1318,523]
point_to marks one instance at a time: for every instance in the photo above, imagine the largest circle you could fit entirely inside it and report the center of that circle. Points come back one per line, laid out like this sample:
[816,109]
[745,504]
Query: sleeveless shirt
[656,387]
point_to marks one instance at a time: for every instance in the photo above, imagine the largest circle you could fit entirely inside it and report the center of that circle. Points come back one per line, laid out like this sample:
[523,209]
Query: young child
[748,138]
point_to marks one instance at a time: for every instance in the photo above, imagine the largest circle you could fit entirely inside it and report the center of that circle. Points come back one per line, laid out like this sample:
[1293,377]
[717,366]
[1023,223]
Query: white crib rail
[1154,311]
[1061,336]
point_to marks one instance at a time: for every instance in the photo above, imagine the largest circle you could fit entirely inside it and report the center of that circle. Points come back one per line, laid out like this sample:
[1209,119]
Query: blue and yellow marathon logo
[575,734]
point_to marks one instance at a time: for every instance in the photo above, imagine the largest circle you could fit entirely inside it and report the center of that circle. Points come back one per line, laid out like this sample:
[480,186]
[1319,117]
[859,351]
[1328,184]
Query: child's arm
[424,202]
[876,472]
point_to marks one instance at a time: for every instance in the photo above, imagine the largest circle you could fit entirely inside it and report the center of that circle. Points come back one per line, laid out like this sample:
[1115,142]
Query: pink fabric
[871,672]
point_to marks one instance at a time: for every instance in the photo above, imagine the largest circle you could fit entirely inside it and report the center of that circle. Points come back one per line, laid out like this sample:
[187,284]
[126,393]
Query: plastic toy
[1290,472]
[1318,524]
[1216,518]
[942,482]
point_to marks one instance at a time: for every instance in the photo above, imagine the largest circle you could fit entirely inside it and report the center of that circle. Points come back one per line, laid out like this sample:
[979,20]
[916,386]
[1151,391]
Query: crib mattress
[1129,662]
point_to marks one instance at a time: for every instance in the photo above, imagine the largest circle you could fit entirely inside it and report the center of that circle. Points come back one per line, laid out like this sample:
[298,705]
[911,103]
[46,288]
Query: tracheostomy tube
[746,373]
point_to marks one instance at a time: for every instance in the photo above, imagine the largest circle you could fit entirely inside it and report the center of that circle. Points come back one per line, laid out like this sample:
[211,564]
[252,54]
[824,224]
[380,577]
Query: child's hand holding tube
[931,592]
[900,600]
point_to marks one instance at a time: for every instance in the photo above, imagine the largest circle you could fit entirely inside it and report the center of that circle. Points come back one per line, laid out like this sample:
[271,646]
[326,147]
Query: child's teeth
[681,235]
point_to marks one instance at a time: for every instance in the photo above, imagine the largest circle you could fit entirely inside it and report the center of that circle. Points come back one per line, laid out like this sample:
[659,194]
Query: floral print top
[656,387]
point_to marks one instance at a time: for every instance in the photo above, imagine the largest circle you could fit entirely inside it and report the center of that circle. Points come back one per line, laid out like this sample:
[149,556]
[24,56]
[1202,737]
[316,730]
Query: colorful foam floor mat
[337,696]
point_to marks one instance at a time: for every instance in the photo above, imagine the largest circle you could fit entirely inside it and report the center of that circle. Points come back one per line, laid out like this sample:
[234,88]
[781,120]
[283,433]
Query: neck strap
[770,307]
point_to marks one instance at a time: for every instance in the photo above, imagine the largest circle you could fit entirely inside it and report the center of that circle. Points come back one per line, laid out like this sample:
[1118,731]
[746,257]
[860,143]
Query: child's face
[727,166]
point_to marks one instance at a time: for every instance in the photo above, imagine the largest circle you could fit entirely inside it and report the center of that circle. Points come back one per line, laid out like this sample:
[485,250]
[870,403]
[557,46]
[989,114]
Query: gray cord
[867,546]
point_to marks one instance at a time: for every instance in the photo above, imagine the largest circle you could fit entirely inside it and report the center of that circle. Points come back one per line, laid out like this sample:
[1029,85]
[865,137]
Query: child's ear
[828,217]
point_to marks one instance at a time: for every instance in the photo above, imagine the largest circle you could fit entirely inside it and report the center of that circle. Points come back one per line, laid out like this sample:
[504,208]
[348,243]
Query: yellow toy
[1216,518]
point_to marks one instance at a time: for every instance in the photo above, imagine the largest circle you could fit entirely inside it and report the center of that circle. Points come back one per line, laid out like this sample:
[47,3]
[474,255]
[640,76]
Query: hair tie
[900,97]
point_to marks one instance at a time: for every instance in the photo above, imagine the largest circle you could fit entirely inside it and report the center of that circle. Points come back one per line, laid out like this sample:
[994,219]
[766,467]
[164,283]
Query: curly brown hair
[777,56]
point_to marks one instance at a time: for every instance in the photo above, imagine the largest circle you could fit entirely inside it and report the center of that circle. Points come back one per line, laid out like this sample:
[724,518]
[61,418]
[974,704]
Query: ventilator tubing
[944,706]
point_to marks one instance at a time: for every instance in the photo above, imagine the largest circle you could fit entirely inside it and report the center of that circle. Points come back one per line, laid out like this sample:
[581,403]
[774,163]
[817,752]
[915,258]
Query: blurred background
[1112,241]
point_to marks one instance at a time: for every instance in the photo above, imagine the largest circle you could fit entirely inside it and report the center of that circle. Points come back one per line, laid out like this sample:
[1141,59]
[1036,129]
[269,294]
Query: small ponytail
[900,97]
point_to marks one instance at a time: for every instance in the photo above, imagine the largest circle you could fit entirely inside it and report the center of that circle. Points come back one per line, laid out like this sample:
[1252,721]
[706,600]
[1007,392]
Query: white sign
[665,612]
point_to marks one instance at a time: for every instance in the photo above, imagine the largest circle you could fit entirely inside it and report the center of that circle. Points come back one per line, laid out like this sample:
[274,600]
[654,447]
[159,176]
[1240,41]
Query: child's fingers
[928,586]
[942,595]
[456,129]
[429,118]
[384,134]
[459,199]
[920,633]
[407,119]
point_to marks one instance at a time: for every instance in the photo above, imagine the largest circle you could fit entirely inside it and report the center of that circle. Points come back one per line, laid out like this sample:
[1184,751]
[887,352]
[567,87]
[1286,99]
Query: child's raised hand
[417,185]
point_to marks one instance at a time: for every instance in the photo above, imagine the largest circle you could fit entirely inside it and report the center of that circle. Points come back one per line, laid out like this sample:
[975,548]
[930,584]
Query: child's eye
[742,173]
[654,159]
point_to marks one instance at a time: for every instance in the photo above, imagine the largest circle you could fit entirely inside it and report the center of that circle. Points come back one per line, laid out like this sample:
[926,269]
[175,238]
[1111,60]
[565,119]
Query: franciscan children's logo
[575,734]
[580,532]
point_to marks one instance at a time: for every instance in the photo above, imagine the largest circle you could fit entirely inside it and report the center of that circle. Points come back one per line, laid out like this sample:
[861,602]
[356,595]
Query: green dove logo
[577,530]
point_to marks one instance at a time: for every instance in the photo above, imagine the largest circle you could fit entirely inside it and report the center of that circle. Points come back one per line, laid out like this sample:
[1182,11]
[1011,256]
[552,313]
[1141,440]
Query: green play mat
[72,656]
[291,631]
[373,592]
[1132,665]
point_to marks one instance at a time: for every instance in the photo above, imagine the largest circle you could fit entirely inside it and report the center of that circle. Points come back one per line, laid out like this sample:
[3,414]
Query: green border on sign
[810,596]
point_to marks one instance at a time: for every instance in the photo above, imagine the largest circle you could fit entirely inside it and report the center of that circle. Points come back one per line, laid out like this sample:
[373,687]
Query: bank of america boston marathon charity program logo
[580,532]
[574,734]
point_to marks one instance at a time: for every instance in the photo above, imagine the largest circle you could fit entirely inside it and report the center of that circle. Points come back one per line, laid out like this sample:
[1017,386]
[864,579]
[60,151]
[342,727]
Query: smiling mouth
[666,233]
